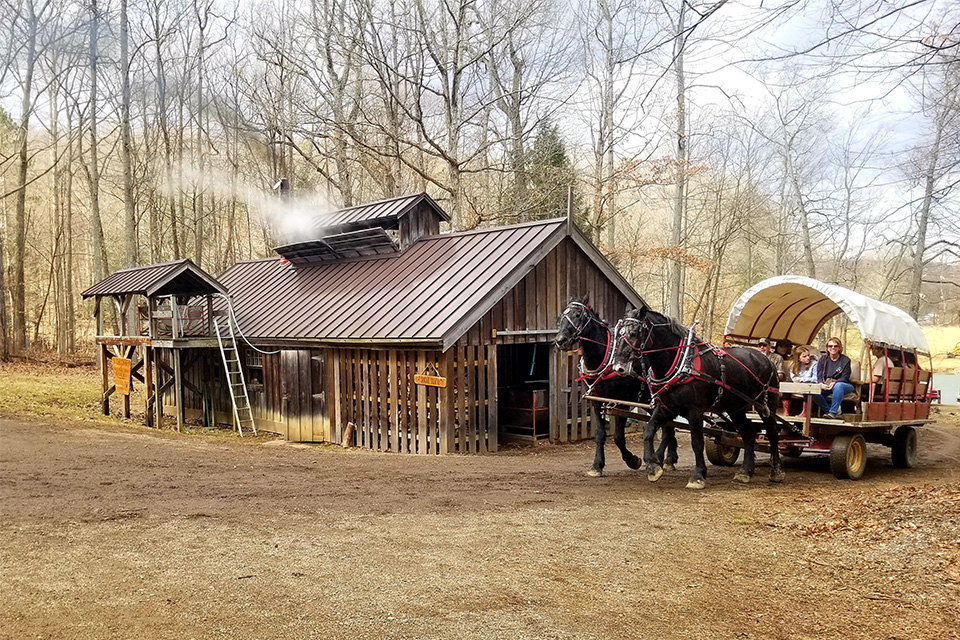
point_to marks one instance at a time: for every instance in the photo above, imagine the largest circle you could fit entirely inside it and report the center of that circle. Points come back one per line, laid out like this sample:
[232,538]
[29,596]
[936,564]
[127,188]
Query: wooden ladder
[242,413]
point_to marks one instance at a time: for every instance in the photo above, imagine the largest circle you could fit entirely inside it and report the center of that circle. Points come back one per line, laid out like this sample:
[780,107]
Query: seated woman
[833,374]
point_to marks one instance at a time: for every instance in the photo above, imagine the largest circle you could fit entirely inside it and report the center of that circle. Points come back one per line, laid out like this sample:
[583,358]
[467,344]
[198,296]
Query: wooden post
[150,330]
[128,352]
[493,421]
[178,387]
[97,317]
[556,384]
[105,379]
[148,389]
[174,319]
[209,328]
[158,396]
[447,409]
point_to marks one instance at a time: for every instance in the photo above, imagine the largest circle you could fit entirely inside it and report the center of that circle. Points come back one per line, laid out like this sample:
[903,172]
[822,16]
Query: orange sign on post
[121,375]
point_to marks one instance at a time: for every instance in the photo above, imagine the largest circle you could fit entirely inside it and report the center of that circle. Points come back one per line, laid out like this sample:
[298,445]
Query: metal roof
[431,293]
[181,277]
[385,213]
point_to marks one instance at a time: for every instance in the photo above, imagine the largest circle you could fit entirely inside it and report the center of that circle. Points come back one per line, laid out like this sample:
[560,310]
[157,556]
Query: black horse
[579,324]
[688,377]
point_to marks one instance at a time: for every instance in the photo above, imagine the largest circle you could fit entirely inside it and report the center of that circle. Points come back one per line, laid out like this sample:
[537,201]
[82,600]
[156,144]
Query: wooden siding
[375,391]
[537,300]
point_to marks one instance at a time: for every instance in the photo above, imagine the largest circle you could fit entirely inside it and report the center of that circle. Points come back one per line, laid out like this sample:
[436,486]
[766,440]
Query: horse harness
[604,370]
[687,367]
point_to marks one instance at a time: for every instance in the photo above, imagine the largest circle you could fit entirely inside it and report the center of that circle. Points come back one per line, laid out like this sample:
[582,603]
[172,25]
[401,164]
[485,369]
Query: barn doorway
[523,383]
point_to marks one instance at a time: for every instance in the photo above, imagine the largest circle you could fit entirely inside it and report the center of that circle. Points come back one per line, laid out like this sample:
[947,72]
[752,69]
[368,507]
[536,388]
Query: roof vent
[364,243]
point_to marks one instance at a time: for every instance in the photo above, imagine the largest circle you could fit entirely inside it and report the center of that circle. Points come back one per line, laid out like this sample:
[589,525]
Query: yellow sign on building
[121,375]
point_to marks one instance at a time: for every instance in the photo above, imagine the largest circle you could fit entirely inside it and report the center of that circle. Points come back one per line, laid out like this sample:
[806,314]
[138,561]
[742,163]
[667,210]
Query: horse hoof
[777,476]
[697,484]
[595,473]
[654,472]
[670,467]
[633,463]
[742,478]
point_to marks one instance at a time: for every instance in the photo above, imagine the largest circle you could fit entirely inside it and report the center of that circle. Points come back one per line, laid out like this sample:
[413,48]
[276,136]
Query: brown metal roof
[181,277]
[432,293]
[384,213]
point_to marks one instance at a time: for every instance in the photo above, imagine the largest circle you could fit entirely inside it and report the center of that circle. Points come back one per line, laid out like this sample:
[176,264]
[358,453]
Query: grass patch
[50,391]
[72,393]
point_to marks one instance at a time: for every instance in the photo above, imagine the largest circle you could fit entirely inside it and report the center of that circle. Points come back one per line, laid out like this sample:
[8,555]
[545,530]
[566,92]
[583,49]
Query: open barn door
[523,390]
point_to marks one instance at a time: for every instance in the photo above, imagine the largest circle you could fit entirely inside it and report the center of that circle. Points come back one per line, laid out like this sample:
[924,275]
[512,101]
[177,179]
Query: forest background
[702,146]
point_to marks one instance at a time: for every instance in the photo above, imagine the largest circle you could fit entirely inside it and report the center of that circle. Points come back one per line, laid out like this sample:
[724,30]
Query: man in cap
[775,359]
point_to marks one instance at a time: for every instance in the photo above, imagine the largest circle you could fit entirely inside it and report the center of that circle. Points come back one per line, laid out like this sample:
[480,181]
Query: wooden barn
[382,327]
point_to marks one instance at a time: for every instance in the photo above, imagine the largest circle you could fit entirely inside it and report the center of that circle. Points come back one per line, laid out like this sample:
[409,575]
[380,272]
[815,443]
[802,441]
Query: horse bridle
[591,317]
[682,362]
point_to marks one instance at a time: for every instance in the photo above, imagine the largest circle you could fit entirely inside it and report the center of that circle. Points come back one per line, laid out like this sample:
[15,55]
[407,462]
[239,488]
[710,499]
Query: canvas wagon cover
[796,307]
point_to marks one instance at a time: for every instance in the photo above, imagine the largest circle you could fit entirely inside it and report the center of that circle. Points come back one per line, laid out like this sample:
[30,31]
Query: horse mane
[672,324]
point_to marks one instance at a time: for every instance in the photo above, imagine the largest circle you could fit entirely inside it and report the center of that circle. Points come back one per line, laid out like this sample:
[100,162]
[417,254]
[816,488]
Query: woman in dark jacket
[833,373]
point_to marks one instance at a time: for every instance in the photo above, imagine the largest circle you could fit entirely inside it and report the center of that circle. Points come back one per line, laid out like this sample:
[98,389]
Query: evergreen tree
[551,176]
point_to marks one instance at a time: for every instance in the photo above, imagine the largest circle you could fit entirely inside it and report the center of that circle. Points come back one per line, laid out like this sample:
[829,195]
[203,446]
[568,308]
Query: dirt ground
[129,533]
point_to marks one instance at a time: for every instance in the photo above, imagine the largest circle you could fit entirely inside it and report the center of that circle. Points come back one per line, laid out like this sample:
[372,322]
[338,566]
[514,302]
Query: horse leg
[654,465]
[599,439]
[748,436]
[699,478]
[667,451]
[620,439]
[773,435]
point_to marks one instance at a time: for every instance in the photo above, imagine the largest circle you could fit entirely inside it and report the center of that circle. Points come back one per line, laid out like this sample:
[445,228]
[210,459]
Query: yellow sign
[121,375]
[430,381]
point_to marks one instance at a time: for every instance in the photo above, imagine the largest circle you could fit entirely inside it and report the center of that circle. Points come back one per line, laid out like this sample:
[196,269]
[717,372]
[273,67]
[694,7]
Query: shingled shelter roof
[383,213]
[181,277]
[432,293]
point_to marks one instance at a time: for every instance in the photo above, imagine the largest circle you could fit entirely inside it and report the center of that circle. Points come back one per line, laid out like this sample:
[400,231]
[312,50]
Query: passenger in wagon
[783,350]
[880,364]
[833,374]
[804,366]
[775,360]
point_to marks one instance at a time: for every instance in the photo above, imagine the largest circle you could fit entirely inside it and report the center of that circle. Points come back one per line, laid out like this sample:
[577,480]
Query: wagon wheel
[721,455]
[848,456]
[904,448]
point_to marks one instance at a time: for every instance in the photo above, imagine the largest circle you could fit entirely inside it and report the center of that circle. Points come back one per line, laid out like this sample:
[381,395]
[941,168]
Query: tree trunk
[676,231]
[18,286]
[100,265]
[4,343]
[130,216]
[922,222]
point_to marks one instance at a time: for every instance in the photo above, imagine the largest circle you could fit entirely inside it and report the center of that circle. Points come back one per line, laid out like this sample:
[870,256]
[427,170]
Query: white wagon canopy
[797,307]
